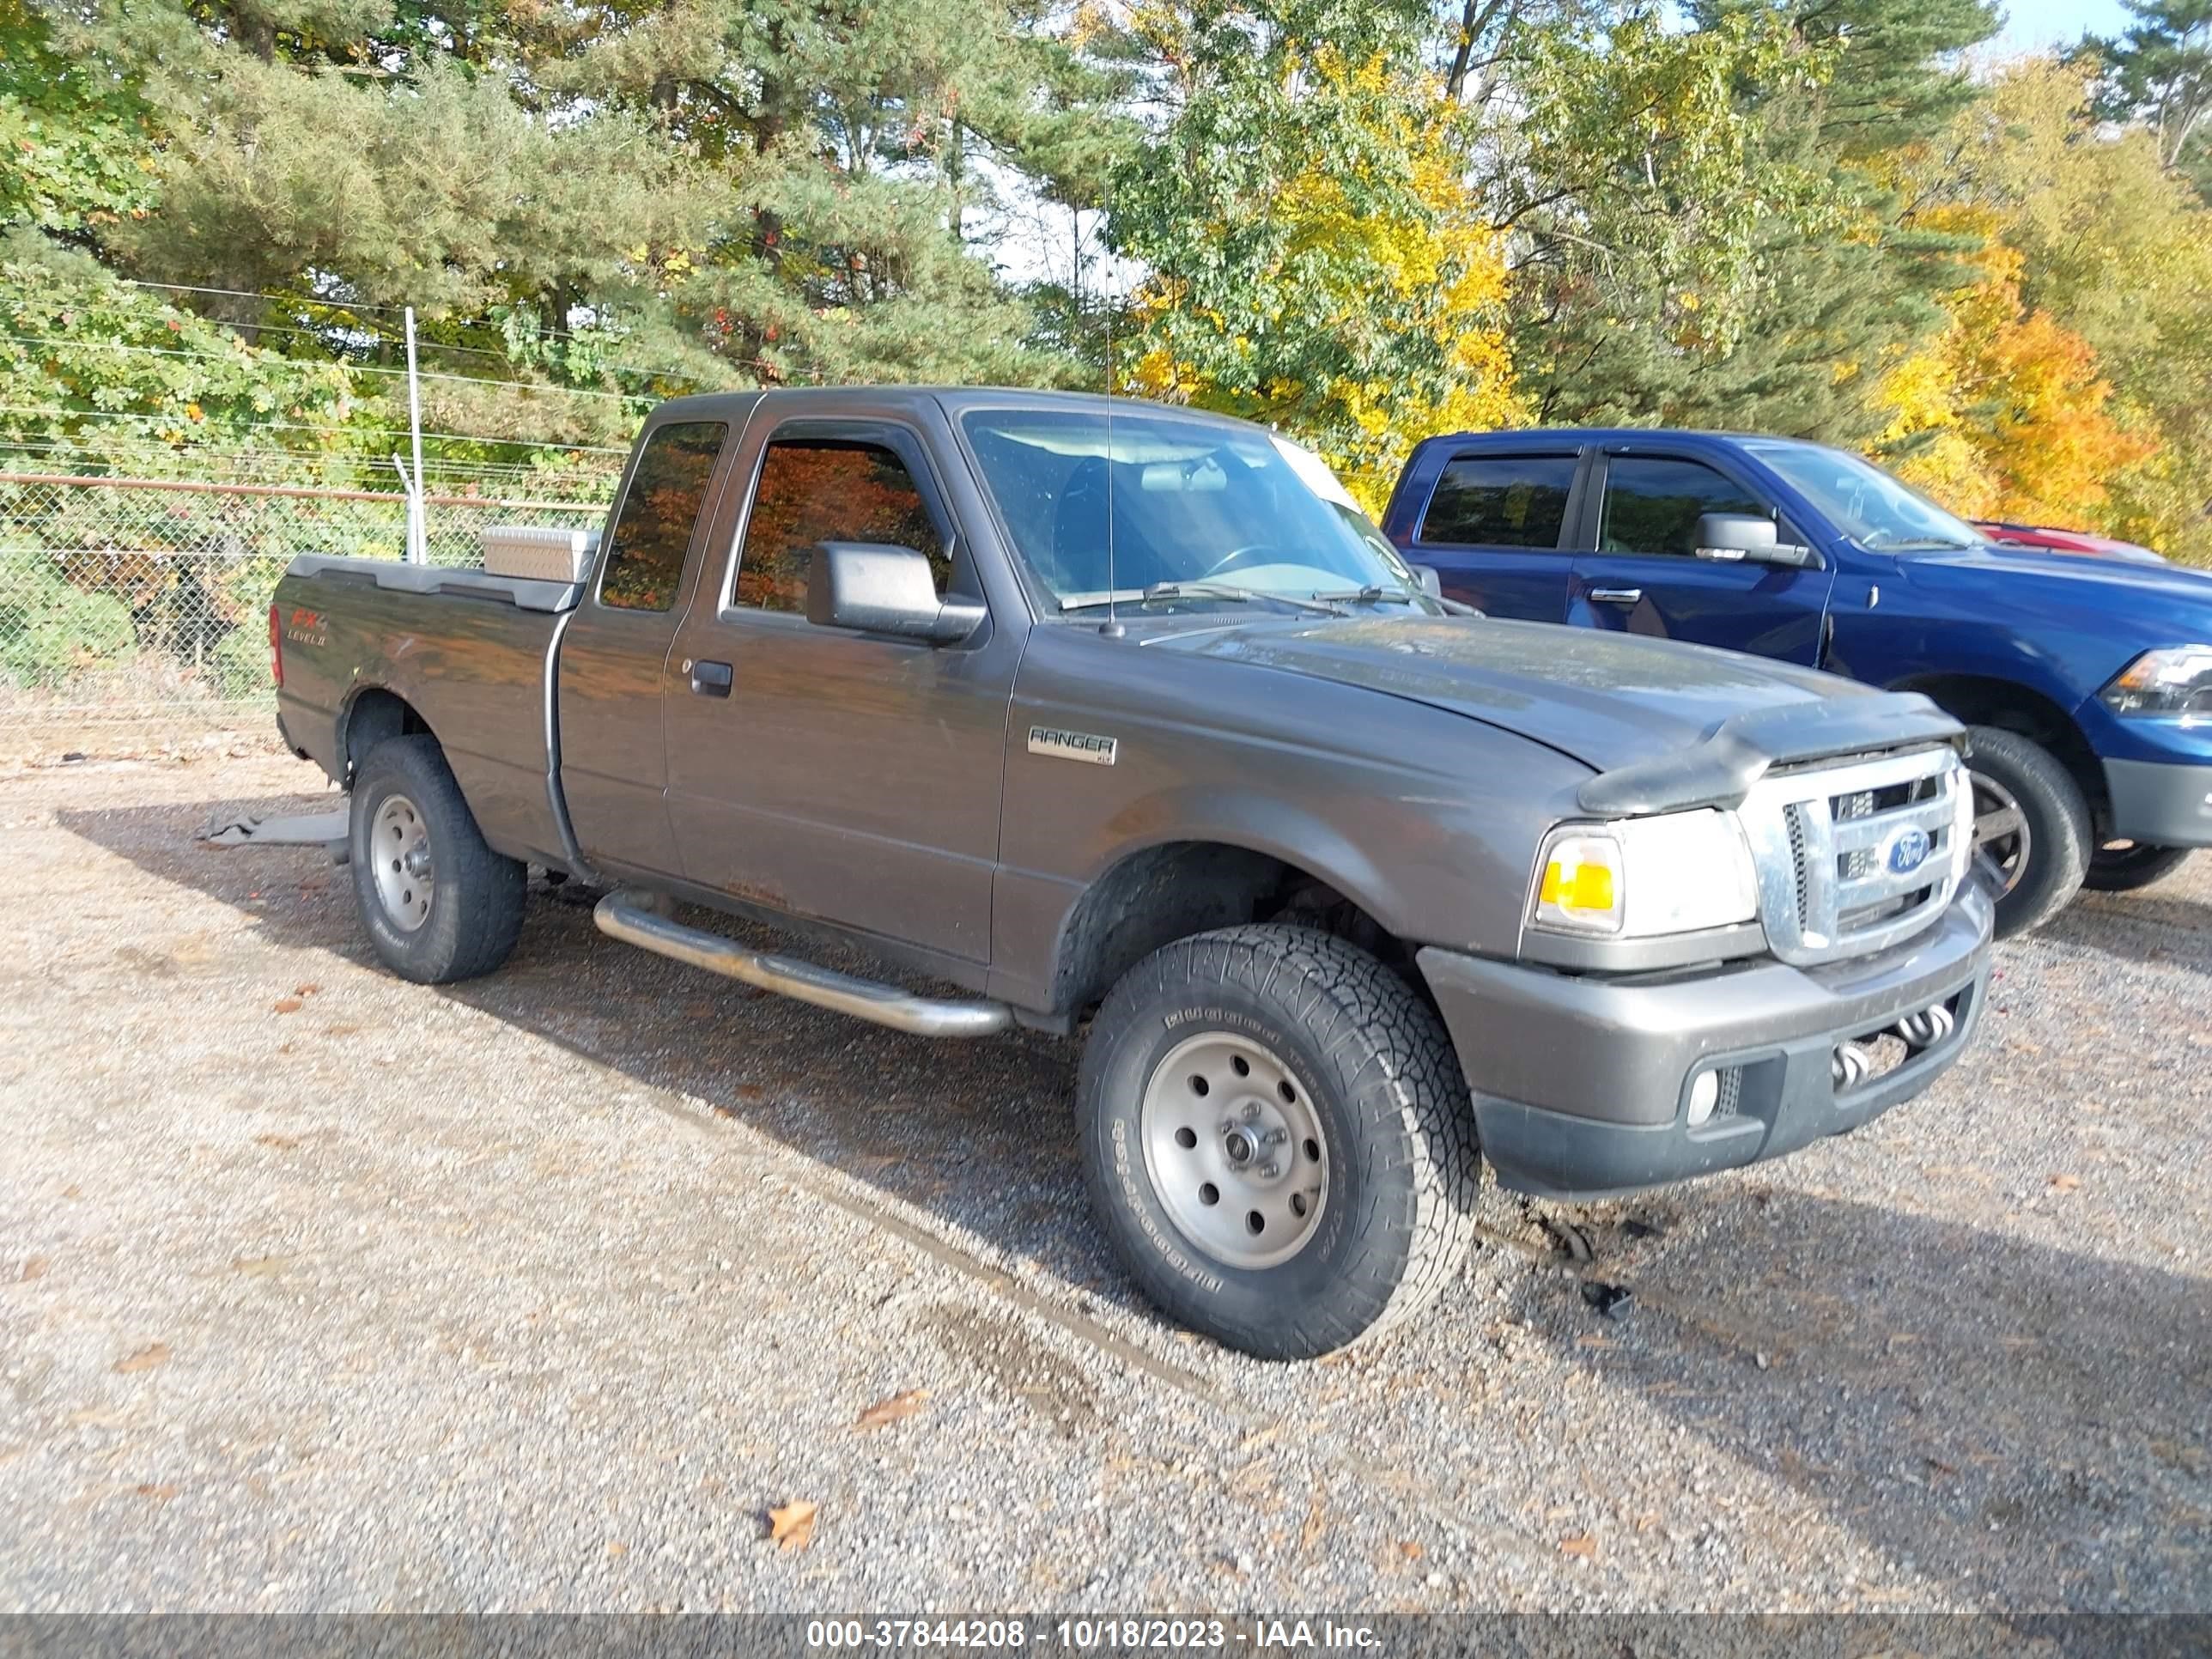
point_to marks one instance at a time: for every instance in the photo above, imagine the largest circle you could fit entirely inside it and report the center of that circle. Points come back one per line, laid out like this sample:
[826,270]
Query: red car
[2065,541]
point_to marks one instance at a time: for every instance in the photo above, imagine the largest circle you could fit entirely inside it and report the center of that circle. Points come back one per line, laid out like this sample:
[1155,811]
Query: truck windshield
[1873,509]
[1179,512]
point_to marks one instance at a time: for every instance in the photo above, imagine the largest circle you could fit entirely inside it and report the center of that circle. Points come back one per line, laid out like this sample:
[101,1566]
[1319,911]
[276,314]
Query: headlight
[2177,680]
[1637,878]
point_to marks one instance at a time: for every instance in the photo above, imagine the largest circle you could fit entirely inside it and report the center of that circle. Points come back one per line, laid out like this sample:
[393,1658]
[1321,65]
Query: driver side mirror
[1746,538]
[875,588]
[1431,583]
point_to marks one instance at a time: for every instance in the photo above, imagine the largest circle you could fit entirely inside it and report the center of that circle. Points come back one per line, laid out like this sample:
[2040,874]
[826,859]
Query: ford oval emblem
[1908,850]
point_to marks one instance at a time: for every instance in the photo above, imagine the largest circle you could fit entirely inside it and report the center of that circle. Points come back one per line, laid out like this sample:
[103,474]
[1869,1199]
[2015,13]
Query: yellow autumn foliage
[2006,413]
[1426,277]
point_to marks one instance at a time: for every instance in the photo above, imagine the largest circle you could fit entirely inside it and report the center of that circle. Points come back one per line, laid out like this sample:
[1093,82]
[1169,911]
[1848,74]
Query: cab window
[652,533]
[828,490]
[1501,501]
[1652,503]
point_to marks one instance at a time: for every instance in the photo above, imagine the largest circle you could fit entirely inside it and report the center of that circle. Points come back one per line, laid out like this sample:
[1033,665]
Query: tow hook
[1925,1028]
[1855,1059]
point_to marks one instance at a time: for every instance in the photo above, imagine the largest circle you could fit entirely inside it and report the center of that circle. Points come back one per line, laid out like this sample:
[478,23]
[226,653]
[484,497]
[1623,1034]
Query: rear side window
[1653,505]
[653,532]
[1501,501]
[829,490]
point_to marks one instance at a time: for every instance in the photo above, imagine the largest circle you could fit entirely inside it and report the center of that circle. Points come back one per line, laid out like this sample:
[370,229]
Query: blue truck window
[1501,501]
[653,532]
[829,490]
[1652,505]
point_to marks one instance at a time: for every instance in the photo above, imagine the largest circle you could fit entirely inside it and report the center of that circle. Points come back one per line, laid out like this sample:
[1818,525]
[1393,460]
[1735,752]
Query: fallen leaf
[306,990]
[289,1004]
[890,1411]
[281,1143]
[1410,1550]
[1645,1523]
[159,1494]
[1940,1466]
[34,1268]
[146,1358]
[1580,1544]
[792,1527]
[2064,1183]
[615,1548]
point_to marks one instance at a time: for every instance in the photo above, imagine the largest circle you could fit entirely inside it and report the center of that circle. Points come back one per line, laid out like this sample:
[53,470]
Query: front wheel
[2031,823]
[1277,1140]
[438,904]
[2123,867]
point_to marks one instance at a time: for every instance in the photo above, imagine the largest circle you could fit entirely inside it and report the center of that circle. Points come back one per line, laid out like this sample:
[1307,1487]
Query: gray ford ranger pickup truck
[1105,717]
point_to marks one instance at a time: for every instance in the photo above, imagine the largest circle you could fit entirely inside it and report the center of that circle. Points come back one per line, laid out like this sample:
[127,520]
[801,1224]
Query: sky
[2034,24]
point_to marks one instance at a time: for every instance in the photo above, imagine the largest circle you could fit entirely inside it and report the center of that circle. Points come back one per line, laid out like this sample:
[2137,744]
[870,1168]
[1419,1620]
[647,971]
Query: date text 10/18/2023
[1092,1635]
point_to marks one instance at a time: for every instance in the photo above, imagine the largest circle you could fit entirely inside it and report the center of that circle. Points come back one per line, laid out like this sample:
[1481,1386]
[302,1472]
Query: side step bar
[629,918]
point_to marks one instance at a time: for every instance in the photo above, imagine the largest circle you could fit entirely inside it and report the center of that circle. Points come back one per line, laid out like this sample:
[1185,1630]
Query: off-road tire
[2124,869]
[477,903]
[2057,816]
[1381,1077]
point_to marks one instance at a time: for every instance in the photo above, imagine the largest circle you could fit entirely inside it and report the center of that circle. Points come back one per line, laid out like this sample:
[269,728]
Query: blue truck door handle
[1617,595]
[710,679]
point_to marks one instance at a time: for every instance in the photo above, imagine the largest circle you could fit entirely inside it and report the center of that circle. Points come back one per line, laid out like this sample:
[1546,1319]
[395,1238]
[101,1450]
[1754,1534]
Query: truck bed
[473,654]
[525,593]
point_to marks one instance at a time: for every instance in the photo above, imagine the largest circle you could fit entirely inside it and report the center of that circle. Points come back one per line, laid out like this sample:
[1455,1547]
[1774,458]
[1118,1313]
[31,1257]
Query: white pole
[418,529]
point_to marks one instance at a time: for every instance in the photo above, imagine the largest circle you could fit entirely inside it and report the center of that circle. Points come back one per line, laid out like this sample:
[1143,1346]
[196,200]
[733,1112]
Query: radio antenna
[1112,631]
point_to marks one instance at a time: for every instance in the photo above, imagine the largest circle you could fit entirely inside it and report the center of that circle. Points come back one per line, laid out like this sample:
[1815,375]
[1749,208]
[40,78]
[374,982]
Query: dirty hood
[1607,700]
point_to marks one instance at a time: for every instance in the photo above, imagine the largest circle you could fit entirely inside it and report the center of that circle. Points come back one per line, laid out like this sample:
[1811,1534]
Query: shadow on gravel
[2002,1415]
[2145,926]
[2015,1420]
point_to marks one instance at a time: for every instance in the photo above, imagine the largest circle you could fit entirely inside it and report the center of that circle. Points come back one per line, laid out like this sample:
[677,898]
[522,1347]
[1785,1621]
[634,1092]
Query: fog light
[1704,1095]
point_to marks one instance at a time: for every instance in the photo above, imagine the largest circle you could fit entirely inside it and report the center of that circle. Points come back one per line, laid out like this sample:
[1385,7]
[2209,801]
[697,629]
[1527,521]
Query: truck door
[1637,572]
[850,777]
[613,770]
[1495,530]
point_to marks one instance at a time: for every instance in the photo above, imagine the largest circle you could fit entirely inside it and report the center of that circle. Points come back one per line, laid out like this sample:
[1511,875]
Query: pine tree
[1829,278]
[2160,73]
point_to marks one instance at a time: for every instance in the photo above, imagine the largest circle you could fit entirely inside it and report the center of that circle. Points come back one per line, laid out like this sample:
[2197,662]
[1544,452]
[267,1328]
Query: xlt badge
[1073,746]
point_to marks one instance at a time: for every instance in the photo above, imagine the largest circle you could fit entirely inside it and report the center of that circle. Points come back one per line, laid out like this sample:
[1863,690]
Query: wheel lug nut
[1252,1111]
[1275,1137]
[1268,1172]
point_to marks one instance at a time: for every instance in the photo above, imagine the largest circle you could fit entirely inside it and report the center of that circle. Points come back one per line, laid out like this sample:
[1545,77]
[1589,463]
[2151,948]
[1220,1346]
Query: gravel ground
[326,1291]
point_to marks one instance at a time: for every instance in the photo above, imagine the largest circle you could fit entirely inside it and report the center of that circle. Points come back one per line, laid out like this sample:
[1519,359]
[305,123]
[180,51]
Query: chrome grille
[1828,842]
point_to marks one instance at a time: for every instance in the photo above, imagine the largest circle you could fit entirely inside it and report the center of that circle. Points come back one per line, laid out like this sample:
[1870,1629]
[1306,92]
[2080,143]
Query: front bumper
[1581,1084]
[2160,803]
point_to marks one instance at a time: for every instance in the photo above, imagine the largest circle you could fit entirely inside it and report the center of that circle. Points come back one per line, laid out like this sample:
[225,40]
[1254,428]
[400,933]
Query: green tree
[1745,258]
[2160,73]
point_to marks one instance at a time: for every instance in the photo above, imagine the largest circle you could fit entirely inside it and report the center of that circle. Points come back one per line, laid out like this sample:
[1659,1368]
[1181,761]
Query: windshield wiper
[1882,543]
[1375,595]
[1200,590]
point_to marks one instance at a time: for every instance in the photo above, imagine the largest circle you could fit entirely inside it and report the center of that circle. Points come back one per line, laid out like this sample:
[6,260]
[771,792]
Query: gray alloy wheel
[1234,1148]
[437,903]
[2032,827]
[405,879]
[2000,831]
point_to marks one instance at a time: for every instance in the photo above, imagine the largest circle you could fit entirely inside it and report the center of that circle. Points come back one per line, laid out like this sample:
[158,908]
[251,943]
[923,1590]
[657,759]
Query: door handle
[709,679]
[1617,595]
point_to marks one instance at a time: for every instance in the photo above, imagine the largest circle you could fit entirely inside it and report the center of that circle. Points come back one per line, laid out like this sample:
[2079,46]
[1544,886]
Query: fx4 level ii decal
[1073,746]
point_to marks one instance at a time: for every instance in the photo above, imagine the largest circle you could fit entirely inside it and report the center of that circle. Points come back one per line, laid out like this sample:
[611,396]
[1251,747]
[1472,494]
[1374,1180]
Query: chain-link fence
[136,610]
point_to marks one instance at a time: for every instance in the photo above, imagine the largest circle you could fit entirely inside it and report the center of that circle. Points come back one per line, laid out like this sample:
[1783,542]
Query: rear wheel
[1277,1140]
[2031,823]
[2121,866]
[438,904]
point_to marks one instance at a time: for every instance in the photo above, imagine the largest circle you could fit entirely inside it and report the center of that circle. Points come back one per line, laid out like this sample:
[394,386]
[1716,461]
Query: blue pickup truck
[2087,683]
